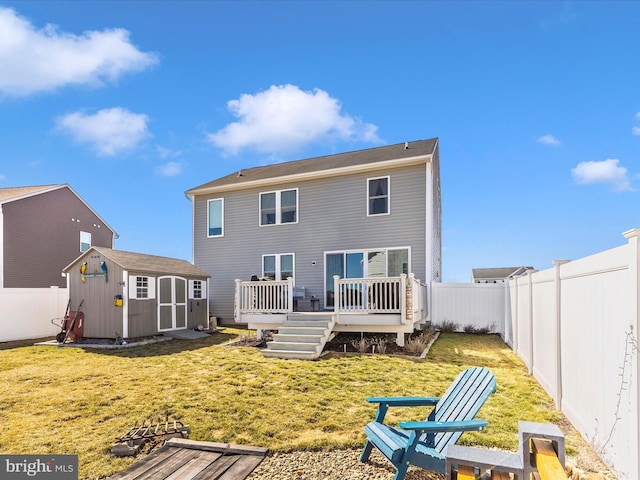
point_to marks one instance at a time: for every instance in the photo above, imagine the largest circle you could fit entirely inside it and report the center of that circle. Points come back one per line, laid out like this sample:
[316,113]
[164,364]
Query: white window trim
[388,212]
[367,251]
[84,236]
[278,207]
[279,263]
[364,252]
[133,287]
[192,290]
[211,200]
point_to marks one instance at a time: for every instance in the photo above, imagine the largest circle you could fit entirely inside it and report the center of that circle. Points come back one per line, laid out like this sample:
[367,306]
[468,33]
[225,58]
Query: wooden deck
[182,459]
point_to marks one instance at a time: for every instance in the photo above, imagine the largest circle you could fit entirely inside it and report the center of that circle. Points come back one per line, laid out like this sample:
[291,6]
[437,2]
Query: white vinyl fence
[471,305]
[26,313]
[576,327]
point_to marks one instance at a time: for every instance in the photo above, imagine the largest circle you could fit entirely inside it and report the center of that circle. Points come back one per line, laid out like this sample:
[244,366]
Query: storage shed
[130,295]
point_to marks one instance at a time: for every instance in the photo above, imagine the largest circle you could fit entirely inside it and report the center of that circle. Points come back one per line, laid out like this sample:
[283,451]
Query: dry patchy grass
[72,400]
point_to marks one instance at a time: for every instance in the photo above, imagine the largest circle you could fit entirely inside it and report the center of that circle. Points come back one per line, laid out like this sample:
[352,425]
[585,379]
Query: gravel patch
[331,465]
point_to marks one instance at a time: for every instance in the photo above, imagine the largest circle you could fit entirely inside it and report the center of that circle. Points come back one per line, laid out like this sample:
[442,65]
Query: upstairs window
[85,241]
[279,207]
[378,196]
[215,215]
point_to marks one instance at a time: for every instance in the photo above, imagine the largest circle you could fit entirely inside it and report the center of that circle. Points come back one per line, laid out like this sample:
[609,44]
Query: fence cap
[634,232]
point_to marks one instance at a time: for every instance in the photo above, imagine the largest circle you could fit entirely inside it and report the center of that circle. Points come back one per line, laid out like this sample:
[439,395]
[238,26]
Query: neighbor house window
[278,266]
[85,241]
[279,207]
[378,196]
[197,289]
[142,287]
[215,208]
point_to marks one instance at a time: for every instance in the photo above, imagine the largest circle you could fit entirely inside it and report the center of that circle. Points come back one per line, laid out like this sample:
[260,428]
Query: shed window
[85,241]
[197,289]
[142,287]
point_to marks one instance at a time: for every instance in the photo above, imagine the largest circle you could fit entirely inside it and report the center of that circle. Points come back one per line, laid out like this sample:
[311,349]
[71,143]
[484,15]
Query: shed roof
[142,262]
[324,164]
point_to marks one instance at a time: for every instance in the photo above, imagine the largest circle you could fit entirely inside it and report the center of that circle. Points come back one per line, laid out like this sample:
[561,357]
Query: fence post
[531,359]
[558,282]
[633,236]
[515,318]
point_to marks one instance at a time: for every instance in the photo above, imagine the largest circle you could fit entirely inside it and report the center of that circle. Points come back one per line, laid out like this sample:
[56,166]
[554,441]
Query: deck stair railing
[273,296]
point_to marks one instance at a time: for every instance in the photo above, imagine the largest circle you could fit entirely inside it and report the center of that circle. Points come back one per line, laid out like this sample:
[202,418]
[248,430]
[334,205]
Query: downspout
[193,222]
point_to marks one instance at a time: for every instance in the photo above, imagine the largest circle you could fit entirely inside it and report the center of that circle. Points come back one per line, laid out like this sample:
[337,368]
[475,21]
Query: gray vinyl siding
[332,216]
[40,238]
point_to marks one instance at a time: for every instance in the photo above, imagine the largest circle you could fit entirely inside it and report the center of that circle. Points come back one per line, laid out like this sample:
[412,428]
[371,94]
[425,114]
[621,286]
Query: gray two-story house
[355,237]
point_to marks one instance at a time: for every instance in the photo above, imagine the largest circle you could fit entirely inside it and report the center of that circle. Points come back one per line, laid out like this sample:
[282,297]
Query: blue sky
[536,105]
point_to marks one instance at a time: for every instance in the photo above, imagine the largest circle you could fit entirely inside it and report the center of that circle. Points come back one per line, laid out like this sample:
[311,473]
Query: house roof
[142,262]
[12,194]
[15,193]
[497,273]
[409,151]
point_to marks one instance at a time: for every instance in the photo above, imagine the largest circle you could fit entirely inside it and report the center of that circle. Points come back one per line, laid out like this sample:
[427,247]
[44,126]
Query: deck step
[298,337]
[290,354]
[301,337]
[298,346]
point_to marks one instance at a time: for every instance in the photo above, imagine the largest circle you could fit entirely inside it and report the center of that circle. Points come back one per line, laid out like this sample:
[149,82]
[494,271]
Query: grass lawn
[72,400]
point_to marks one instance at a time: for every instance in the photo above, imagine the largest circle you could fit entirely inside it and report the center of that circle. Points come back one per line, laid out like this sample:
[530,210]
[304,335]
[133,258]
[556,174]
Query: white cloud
[167,153]
[549,140]
[284,118]
[170,169]
[33,60]
[607,171]
[635,130]
[110,131]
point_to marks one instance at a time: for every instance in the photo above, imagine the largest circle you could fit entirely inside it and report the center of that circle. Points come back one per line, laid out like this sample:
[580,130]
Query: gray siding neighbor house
[134,295]
[341,234]
[42,229]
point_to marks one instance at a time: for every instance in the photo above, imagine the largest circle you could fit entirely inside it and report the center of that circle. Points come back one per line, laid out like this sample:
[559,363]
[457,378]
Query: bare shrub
[447,326]
[361,345]
[480,330]
[381,344]
[416,344]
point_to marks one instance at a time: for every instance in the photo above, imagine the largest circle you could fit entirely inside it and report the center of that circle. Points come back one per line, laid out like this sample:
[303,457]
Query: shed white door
[172,303]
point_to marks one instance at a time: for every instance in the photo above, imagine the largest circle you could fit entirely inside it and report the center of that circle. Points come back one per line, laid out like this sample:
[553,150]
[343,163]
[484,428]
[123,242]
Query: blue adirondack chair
[423,444]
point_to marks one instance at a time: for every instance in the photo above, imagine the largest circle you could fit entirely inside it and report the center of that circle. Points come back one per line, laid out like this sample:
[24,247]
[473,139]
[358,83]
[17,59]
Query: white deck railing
[403,295]
[273,296]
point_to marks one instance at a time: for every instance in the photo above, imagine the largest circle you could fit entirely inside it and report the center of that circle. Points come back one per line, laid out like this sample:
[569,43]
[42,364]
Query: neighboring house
[370,217]
[42,229]
[134,295]
[497,275]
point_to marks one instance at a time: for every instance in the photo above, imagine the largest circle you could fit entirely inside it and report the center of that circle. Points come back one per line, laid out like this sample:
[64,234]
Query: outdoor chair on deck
[424,444]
